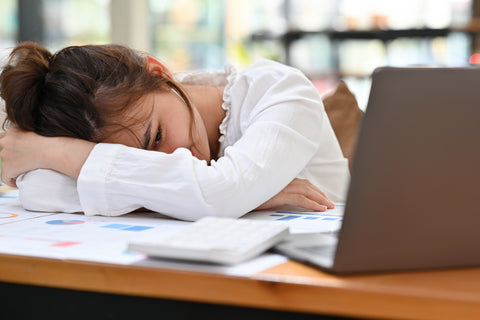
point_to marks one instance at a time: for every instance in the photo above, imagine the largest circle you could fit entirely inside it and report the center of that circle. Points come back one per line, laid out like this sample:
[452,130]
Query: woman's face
[162,122]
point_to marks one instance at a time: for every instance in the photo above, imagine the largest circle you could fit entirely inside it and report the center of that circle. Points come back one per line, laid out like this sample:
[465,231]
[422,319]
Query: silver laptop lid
[414,191]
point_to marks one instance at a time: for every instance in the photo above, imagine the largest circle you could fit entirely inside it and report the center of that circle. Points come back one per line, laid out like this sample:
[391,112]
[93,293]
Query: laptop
[414,195]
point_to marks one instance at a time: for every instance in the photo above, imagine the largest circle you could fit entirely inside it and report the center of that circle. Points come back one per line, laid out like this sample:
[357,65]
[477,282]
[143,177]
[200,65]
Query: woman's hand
[20,152]
[300,193]
[23,151]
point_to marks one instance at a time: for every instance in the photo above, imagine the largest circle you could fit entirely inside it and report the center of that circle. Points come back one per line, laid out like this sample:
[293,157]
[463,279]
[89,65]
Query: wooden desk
[443,294]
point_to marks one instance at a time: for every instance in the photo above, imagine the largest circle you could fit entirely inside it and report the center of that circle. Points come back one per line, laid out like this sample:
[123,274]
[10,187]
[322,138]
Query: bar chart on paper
[65,222]
[292,215]
[304,221]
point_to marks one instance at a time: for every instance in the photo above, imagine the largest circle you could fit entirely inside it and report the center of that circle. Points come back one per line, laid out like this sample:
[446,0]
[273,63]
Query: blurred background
[328,40]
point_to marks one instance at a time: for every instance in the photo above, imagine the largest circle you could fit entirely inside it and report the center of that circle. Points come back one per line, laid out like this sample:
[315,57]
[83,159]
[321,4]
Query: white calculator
[216,240]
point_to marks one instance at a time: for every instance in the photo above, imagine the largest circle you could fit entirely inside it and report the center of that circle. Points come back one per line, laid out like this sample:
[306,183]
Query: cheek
[124,137]
[175,136]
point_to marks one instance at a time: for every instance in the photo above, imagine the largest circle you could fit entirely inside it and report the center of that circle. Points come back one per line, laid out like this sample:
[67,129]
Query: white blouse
[275,130]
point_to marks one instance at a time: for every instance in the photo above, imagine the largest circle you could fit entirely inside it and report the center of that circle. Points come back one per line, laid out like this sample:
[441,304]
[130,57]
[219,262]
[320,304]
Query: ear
[155,66]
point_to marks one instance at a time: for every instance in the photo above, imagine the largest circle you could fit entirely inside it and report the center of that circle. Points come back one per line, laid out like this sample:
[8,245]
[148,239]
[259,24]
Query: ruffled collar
[224,78]
[230,73]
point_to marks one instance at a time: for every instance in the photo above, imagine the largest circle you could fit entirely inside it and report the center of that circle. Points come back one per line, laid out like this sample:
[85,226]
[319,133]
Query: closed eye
[158,137]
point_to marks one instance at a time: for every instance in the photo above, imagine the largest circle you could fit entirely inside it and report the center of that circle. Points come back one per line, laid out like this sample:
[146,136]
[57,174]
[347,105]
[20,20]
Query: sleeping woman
[106,130]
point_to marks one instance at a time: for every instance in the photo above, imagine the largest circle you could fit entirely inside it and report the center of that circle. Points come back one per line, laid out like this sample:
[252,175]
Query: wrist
[68,155]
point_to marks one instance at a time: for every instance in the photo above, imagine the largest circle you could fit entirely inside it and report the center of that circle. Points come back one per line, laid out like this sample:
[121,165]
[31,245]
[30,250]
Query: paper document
[12,211]
[304,221]
[100,239]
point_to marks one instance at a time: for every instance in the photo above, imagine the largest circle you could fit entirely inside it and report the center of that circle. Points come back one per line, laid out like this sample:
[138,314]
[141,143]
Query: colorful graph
[42,241]
[126,227]
[6,215]
[291,215]
[64,244]
[3,196]
[65,222]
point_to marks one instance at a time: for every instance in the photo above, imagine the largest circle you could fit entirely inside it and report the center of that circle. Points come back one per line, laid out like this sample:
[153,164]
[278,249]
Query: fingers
[9,159]
[293,199]
[300,193]
[10,182]
[2,134]
[302,186]
[299,200]
[309,191]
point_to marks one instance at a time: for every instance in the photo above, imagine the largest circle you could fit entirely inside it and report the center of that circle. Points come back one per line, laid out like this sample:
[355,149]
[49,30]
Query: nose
[168,149]
[171,147]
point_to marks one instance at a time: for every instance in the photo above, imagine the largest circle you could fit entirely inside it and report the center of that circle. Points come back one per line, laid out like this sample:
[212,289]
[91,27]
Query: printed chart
[304,221]
[100,239]
[127,227]
[12,211]
[291,215]
[7,215]
[65,222]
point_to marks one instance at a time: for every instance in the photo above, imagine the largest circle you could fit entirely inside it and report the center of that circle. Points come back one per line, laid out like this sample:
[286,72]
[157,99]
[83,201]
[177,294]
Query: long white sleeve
[48,191]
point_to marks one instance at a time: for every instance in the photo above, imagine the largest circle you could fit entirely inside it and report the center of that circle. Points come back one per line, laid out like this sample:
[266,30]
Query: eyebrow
[146,136]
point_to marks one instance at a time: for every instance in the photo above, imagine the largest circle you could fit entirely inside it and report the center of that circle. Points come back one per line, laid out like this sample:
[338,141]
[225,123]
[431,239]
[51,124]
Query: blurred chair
[345,116]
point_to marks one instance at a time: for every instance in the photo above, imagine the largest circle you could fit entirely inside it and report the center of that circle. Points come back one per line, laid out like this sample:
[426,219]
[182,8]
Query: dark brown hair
[78,91]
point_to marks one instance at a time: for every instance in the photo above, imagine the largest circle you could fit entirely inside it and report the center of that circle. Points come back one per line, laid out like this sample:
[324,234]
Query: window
[8,26]
[75,22]
[189,34]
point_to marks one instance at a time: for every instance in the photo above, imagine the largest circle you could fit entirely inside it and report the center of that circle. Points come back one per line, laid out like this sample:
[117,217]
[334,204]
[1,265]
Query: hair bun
[22,82]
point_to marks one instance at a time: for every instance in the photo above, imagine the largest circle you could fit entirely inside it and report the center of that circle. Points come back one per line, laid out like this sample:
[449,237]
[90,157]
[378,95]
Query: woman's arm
[48,190]
[23,151]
